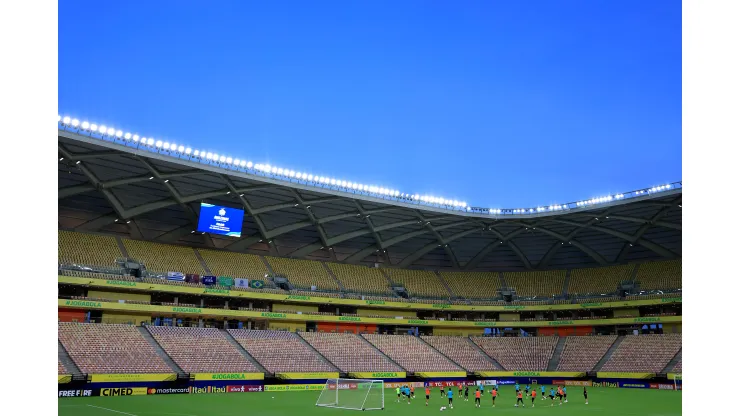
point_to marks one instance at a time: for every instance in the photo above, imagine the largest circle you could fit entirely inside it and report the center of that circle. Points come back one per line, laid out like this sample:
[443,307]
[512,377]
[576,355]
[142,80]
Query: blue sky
[501,104]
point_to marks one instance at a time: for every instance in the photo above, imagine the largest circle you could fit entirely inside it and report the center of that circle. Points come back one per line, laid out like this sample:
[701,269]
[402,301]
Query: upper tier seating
[280,351]
[648,353]
[659,275]
[87,249]
[473,285]
[226,263]
[459,350]
[349,352]
[361,279]
[522,353]
[537,284]
[103,349]
[163,257]
[599,279]
[201,350]
[303,273]
[411,353]
[60,368]
[419,283]
[583,353]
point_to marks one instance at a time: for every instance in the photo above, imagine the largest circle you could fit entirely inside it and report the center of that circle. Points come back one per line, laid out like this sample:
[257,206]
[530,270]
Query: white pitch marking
[111,410]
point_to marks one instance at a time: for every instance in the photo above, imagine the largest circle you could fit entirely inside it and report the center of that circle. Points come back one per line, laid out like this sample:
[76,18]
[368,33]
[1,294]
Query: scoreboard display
[220,220]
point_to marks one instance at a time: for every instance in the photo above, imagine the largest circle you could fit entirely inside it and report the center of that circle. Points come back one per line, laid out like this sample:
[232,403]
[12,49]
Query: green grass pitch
[602,402]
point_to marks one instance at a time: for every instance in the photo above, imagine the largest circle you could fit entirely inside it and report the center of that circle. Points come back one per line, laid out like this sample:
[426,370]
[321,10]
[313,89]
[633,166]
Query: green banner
[225,281]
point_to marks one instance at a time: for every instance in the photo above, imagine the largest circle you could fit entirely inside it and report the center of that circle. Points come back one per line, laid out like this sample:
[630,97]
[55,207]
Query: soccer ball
[442,408]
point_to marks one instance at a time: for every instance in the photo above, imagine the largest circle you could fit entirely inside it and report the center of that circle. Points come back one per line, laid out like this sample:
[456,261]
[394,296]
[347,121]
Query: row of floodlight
[316,180]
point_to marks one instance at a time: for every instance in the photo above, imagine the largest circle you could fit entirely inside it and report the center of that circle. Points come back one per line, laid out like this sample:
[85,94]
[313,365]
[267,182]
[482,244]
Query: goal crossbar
[352,394]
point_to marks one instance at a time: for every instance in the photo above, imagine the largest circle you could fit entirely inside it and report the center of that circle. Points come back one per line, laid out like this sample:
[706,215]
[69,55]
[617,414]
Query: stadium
[185,277]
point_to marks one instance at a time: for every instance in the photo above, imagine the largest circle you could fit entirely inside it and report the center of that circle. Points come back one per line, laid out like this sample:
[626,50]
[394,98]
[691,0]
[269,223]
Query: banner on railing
[131,378]
[441,374]
[561,374]
[613,374]
[64,379]
[228,376]
[176,276]
[378,374]
[307,376]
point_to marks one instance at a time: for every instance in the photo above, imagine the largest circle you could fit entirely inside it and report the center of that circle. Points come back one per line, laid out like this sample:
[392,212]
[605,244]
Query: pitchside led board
[220,220]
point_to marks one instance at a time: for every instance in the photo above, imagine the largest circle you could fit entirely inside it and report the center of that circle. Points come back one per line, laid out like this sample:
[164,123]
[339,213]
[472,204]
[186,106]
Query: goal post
[353,394]
[677,381]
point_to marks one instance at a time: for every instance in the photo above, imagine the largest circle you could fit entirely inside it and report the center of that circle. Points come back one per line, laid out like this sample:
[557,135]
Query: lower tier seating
[583,353]
[201,350]
[349,352]
[104,349]
[648,353]
[280,351]
[520,353]
[462,352]
[411,353]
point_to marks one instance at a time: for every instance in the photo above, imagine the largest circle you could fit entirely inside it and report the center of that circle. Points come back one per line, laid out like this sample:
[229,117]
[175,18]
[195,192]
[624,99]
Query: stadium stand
[473,285]
[411,353]
[348,352]
[599,280]
[648,353]
[536,284]
[521,353]
[419,283]
[201,350]
[104,349]
[583,353]
[280,351]
[226,263]
[60,368]
[303,273]
[659,275]
[677,368]
[459,350]
[87,249]
[361,279]
[163,257]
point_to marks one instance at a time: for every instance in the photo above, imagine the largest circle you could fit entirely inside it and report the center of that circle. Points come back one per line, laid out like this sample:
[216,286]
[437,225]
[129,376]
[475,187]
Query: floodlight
[111,131]
[222,159]
[397,193]
[150,142]
[93,127]
[310,178]
[266,168]
[209,155]
[75,122]
[249,165]
[158,143]
[182,149]
[102,129]
[230,160]
[59,118]
[119,133]
[291,174]
[280,171]
[274,169]
[127,136]
[66,120]
[166,146]
[304,176]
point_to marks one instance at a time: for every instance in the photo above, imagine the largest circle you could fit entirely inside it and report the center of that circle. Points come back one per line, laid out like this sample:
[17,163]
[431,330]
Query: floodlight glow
[158,143]
[59,118]
[111,131]
[150,142]
[75,122]
[310,178]
[249,165]
[304,176]
[166,146]
[280,171]
[181,149]
[66,120]
[291,174]
[93,127]
[274,169]
[102,129]
[127,136]
[119,133]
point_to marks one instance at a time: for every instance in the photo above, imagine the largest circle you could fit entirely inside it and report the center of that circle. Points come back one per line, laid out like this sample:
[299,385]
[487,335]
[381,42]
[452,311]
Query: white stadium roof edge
[110,184]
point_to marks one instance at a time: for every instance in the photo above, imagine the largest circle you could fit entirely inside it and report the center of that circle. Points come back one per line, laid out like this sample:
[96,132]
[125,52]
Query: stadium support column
[250,305]
[200,323]
[226,304]
[176,301]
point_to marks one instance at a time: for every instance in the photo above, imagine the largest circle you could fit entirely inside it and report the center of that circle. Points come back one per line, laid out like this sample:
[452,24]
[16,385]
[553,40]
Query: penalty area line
[111,410]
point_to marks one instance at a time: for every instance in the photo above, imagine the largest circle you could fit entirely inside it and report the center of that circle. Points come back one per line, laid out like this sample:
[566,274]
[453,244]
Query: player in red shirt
[477,397]
[534,395]
[494,393]
[519,399]
[427,392]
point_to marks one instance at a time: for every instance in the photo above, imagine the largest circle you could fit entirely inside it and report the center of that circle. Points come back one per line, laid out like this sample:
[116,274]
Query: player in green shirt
[398,395]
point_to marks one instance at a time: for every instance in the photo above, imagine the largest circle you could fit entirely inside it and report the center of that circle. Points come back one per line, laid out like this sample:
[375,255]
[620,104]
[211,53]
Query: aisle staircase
[555,359]
[609,353]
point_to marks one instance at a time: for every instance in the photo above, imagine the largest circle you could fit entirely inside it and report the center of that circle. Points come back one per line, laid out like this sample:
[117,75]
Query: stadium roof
[108,187]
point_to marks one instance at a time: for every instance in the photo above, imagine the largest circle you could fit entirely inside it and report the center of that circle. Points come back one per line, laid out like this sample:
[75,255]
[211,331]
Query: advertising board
[244,389]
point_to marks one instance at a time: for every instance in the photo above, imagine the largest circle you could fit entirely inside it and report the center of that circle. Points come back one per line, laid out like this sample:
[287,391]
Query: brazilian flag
[256,284]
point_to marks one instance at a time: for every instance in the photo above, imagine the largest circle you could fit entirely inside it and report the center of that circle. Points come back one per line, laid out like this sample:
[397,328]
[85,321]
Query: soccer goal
[353,394]
[677,381]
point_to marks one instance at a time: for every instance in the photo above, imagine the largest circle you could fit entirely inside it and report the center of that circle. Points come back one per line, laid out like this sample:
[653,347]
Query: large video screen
[220,220]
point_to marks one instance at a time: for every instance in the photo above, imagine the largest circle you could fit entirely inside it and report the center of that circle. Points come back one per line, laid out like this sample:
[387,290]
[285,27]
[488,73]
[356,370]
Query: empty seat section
[648,353]
[280,351]
[349,352]
[462,352]
[659,275]
[473,285]
[411,353]
[201,350]
[226,263]
[361,279]
[60,368]
[543,284]
[105,349]
[583,353]
[163,257]
[87,249]
[677,368]
[303,273]
[419,283]
[599,280]
[519,353]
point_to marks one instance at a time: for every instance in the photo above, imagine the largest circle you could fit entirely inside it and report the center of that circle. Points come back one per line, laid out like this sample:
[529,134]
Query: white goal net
[677,381]
[354,394]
